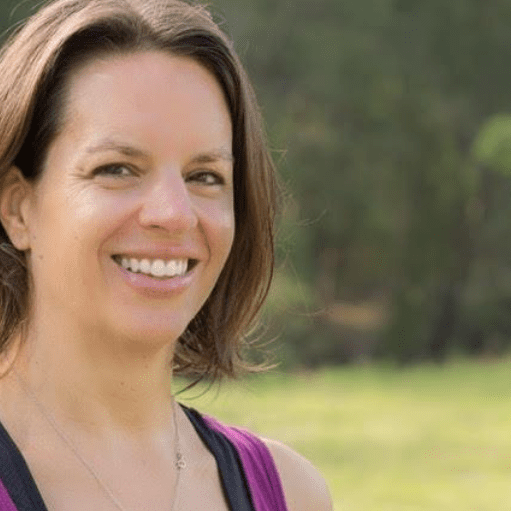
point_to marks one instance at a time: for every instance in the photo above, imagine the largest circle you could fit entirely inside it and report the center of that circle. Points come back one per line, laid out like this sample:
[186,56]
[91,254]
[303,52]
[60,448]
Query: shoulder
[304,487]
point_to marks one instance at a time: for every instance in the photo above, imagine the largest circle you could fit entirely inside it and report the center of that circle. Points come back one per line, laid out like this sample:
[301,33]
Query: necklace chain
[180,462]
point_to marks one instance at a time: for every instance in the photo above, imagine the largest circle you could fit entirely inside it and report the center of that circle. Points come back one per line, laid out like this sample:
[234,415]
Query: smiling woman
[137,203]
[148,199]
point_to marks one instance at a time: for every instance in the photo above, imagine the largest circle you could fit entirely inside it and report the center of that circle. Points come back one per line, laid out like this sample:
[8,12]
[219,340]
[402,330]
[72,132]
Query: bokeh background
[389,122]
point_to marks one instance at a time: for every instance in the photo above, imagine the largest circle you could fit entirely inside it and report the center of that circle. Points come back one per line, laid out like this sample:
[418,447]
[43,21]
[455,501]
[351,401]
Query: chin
[147,332]
[153,336]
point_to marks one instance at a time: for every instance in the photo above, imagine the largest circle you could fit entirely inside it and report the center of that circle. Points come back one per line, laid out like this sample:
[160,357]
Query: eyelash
[104,169]
[202,176]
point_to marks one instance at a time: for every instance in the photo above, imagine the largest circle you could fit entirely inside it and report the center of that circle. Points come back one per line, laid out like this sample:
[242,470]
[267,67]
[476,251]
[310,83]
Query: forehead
[169,98]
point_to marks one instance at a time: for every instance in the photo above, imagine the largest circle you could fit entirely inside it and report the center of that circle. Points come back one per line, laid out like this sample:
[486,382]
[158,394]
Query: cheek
[219,225]
[69,227]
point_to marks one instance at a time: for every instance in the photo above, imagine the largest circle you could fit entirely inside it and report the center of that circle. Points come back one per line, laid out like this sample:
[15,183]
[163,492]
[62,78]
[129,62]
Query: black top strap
[19,483]
[16,476]
[233,479]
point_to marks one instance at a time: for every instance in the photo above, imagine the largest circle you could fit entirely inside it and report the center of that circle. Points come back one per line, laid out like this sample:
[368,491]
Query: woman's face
[132,220]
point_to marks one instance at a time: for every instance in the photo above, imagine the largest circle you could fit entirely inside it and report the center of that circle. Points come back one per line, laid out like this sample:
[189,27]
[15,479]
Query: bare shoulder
[304,487]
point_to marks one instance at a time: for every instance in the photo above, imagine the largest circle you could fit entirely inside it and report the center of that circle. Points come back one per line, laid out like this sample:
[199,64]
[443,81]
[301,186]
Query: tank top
[248,474]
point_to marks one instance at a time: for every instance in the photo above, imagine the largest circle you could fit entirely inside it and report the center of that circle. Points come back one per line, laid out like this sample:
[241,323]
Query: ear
[15,195]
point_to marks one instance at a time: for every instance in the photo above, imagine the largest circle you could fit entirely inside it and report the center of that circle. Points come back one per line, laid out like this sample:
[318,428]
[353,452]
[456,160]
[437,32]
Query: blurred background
[389,122]
[387,119]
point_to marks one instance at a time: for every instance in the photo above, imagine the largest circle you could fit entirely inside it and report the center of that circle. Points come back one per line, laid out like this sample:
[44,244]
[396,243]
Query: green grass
[426,438]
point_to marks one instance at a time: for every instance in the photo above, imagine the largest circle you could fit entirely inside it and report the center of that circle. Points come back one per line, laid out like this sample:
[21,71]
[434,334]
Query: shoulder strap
[18,491]
[260,470]
[234,483]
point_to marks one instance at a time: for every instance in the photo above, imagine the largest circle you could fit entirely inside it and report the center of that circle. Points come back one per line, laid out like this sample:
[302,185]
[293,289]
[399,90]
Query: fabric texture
[259,468]
[259,472]
[6,503]
[17,481]
[249,478]
[232,477]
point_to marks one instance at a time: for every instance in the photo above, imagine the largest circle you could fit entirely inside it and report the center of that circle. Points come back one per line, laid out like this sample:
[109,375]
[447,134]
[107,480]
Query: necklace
[180,463]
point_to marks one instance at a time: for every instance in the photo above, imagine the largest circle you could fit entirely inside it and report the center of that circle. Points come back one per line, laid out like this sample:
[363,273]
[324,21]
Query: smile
[156,267]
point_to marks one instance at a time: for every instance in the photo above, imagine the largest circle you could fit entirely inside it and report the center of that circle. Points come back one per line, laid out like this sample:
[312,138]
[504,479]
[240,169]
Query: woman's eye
[115,170]
[207,178]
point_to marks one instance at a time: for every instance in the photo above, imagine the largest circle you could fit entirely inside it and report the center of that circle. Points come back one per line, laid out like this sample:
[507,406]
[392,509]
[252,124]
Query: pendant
[180,462]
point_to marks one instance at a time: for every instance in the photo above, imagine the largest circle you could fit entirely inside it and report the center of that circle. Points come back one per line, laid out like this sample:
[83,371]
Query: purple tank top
[6,504]
[260,470]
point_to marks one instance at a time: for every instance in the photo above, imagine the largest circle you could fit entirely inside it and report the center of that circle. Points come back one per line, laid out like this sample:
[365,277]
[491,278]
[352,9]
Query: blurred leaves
[391,125]
[492,146]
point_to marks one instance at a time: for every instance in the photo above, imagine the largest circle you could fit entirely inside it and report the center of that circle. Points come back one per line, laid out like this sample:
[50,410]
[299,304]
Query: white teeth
[157,267]
[145,266]
[172,268]
[135,265]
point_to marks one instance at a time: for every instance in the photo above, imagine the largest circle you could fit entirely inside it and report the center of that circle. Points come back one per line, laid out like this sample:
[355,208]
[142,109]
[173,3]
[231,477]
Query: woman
[137,202]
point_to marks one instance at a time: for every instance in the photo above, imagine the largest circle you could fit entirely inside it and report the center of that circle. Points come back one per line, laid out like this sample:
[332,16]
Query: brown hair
[34,67]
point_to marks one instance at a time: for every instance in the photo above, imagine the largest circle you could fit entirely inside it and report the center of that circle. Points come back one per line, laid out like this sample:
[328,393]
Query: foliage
[492,146]
[378,105]
[389,121]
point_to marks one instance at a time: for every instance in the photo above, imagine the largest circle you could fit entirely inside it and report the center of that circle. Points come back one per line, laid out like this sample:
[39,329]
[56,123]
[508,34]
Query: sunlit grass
[426,438]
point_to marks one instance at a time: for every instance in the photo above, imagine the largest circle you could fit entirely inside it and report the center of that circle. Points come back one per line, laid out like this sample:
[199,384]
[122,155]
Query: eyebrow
[211,157]
[112,145]
[133,152]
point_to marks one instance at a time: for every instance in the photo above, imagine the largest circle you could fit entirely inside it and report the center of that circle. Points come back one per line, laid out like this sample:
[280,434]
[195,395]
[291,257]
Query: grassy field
[426,438]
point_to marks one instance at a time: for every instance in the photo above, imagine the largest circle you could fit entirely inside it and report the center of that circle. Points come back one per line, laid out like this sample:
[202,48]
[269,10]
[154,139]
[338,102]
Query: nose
[167,204]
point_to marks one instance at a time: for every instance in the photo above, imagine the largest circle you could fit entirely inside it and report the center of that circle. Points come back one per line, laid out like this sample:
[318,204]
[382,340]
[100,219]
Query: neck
[96,383]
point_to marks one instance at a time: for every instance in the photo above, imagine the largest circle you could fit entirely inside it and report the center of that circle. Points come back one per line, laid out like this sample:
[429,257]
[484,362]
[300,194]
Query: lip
[156,288]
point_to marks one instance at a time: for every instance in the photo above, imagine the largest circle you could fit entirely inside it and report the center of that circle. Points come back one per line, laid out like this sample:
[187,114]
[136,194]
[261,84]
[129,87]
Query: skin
[142,168]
